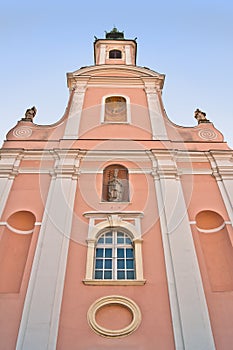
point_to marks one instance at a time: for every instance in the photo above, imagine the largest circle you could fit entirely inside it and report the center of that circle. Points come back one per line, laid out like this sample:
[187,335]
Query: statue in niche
[200,116]
[30,114]
[115,188]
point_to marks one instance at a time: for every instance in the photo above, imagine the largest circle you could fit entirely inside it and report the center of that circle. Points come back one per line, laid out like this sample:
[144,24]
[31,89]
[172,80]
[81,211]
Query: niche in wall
[217,250]
[14,247]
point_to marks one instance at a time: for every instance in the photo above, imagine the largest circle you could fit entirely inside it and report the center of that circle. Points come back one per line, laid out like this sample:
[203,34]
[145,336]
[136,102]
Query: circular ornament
[22,132]
[207,134]
[120,301]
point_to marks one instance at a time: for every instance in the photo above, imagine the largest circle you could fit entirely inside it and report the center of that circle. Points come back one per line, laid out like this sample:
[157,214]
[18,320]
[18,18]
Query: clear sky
[189,41]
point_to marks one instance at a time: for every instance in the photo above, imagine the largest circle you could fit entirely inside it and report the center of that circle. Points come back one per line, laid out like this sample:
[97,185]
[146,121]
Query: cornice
[144,71]
[131,74]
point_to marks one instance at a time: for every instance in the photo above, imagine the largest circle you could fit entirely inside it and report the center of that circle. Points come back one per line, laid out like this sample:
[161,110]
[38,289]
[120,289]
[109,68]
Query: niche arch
[115,187]
[217,250]
[14,248]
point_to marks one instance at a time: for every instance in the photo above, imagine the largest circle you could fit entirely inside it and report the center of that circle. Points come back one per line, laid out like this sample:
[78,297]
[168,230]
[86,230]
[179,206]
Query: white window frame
[111,222]
[128,109]
[114,246]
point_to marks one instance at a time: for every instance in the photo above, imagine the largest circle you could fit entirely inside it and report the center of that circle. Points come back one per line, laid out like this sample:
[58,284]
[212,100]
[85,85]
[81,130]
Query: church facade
[116,224]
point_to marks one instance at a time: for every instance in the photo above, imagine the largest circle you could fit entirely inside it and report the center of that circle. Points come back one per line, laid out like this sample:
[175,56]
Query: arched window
[115,184]
[114,249]
[114,256]
[115,54]
[115,109]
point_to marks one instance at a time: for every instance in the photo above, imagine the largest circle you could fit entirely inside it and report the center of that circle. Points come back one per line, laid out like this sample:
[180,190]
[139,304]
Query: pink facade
[116,224]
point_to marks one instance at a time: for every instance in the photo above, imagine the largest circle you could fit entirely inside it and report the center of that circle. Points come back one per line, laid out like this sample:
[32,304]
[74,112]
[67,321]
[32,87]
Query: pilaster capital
[221,164]
[67,163]
[150,89]
[80,88]
[164,166]
[91,242]
[10,162]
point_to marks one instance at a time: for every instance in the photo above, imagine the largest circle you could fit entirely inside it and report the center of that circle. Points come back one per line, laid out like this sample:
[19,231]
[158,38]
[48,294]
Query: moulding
[105,214]
[113,300]
[93,282]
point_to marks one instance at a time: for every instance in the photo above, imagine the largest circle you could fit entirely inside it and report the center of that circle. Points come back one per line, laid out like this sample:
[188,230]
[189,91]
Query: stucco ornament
[30,114]
[200,116]
[121,302]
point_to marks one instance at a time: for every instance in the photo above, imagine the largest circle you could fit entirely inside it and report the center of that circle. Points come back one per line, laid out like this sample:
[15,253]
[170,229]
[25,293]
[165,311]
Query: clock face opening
[115,109]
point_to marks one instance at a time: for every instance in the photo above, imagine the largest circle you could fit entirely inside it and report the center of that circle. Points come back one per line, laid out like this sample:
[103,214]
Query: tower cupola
[115,49]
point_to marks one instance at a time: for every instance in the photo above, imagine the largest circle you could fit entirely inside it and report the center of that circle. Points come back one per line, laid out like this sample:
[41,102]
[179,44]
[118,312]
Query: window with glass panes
[114,256]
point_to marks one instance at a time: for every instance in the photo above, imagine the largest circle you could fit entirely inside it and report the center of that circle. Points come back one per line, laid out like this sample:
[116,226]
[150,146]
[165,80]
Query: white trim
[47,276]
[114,299]
[5,187]
[114,220]
[159,131]
[172,291]
[128,57]
[102,54]
[128,109]
[211,230]
[21,232]
[183,274]
[74,117]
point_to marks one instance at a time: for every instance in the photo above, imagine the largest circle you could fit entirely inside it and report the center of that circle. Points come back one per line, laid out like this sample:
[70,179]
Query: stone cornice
[131,75]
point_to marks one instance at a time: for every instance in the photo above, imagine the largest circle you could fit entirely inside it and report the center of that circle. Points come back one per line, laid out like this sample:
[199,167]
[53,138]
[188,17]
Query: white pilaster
[189,311]
[73,121]
[102,57]
[159,131]
[222,166]
[40,319]
[128,58]
[9,163]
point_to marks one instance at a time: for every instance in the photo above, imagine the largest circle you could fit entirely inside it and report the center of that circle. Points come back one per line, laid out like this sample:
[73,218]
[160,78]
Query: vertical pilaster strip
[222,166]
[128,58]
[175,313]
[102,54]
[73,121]
[40,319]
[9,163]
[188,305]
[159,131]
[138,258]
[90,258]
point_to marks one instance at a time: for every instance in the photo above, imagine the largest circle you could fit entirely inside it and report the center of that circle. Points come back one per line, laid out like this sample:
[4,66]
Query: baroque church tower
[116,224]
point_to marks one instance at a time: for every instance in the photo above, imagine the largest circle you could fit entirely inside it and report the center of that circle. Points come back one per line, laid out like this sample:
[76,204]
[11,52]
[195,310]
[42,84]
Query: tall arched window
[115,54]
[115,184]
[114,256]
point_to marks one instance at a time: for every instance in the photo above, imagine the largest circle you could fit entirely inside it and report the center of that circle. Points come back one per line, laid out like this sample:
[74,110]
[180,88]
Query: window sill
[115,282]
[115,122]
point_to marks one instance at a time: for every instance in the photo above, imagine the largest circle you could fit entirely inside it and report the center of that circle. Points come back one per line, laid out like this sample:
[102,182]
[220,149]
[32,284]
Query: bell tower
[115,49]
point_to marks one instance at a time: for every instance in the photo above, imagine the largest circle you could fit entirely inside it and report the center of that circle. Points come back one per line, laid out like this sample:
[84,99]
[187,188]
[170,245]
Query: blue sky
[189,41]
